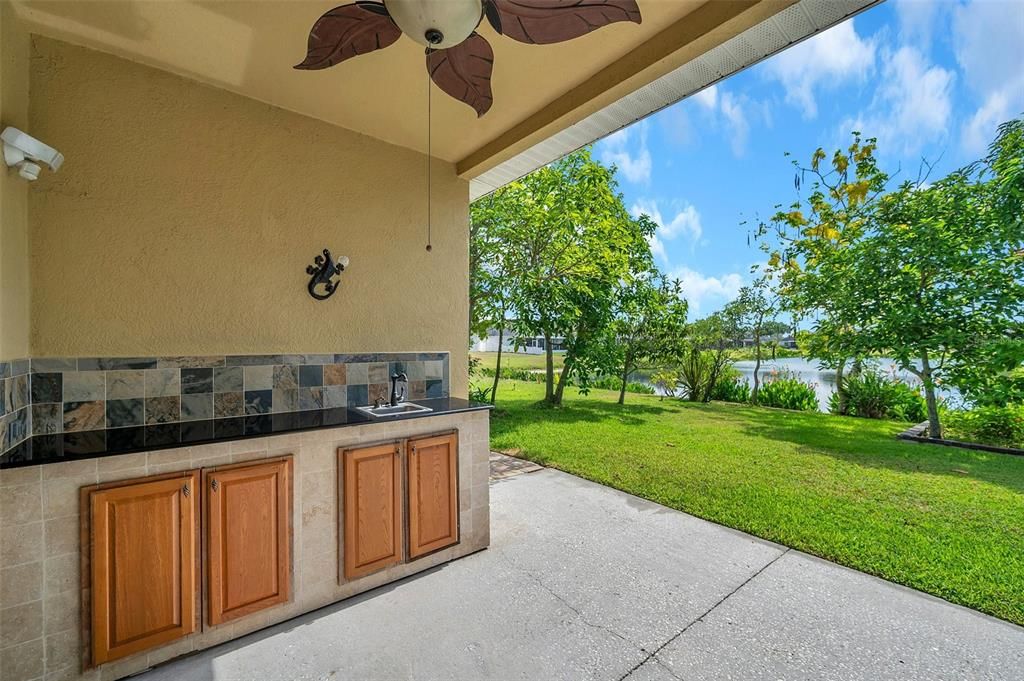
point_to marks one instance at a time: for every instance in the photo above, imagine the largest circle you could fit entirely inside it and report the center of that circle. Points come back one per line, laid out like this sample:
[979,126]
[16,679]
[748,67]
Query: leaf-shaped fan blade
[348,31]
[542,22]
[464,71]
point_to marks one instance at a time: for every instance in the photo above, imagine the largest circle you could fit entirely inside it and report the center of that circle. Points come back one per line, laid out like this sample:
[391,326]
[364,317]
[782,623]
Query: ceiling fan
[459,60]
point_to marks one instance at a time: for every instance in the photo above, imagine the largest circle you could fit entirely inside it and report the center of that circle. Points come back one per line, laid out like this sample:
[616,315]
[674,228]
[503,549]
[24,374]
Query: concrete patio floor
[585,582]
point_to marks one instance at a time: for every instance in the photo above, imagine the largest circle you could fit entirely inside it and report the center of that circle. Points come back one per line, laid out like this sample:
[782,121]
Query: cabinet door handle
[185,490]
[214,484]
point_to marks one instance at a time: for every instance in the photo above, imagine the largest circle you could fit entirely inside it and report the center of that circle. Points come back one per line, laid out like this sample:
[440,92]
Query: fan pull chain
[429,246]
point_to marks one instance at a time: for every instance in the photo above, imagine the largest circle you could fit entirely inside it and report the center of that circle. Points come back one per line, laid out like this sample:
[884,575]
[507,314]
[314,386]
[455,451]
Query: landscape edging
[914,434]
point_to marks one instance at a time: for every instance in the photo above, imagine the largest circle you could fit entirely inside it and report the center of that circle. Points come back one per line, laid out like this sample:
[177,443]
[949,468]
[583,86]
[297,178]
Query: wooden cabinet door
[248,538]
[142,564]
[371,484]
[433,490]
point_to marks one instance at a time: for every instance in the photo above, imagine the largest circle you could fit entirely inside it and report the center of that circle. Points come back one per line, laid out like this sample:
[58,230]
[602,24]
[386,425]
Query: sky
[930,79]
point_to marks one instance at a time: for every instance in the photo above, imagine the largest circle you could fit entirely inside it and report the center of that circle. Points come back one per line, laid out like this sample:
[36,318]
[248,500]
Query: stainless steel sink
[397,410]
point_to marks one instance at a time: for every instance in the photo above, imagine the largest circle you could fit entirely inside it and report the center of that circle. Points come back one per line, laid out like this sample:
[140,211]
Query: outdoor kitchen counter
[70,446]
[296,481]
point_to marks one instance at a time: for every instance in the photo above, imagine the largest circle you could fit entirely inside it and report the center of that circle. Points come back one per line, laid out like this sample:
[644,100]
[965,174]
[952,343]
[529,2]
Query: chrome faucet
[397,397]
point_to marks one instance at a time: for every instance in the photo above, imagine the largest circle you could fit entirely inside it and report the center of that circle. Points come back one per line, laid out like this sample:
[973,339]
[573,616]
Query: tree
[995,375]
[707,352]
[566,243]
[755,307]
[494,220]
[650,324]
[811,257]
[929,273]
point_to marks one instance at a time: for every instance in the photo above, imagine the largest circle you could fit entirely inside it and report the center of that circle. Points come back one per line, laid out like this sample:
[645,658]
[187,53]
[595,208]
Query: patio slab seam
[654,655]
[561,599]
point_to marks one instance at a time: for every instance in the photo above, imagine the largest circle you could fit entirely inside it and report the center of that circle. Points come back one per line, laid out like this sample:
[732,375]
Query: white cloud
[980,129]
[676,126]
[686,223]
[912,106]
[706,294]
[708,97]
[917,19]
[824,61]
[988,38]
[634,164]
[734,111]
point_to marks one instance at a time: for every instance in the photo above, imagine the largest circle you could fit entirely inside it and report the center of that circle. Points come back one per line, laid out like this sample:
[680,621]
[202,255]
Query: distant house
[782,340]
[530,345]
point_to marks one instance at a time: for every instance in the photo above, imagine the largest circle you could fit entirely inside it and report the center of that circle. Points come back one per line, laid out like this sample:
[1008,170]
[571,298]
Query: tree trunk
[757,368]
[549,374]
[625,373]
[841,386]
[934,428]
[563,378]
[717,364]
[497,366]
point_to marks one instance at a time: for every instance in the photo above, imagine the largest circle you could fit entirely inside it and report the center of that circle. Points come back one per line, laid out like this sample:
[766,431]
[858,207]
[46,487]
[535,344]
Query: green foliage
[552,250]
[515,374]
[480,393]
[871,394]
[731,387]
[707,354]
[696,372]
[755,308]
[784,391]
[650,323]
[933,274]
[666,381]
[615,383]
[1000,426]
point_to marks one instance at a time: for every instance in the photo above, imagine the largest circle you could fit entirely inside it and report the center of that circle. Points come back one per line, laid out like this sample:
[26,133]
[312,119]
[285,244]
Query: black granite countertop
[44,449]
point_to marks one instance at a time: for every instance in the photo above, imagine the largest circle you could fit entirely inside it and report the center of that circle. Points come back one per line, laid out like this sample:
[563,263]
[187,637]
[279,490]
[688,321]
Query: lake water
[824,380]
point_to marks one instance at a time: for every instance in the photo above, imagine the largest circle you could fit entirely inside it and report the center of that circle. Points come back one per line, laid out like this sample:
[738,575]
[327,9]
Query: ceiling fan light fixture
[436,24]
[459,60]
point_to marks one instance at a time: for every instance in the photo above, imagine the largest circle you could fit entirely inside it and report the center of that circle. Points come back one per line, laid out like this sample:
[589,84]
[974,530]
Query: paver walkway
[503,466]
[585,582]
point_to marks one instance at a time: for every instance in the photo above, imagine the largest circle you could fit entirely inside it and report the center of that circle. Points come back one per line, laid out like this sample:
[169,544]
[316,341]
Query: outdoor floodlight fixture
[24,152]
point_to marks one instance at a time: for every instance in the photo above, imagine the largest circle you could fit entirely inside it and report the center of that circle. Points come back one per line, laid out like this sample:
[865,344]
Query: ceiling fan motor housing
[437,24]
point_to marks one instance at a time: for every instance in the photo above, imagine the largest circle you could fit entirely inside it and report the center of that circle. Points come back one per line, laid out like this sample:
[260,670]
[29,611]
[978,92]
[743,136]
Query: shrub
[1001,390]
[1000,426]
[515,374]
[873,395]
[695,374]
[731,387]
[786,391]
[615,383]
[667,381]
[480,393]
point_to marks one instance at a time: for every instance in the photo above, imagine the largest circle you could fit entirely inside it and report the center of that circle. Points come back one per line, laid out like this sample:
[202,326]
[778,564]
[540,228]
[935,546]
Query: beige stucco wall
[184,217]
[14,279]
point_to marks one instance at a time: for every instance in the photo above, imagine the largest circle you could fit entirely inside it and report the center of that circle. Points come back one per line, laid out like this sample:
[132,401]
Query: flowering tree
[933,274]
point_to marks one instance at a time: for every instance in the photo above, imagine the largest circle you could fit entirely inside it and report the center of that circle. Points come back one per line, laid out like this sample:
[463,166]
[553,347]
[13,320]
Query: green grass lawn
[943,520]
[515,360]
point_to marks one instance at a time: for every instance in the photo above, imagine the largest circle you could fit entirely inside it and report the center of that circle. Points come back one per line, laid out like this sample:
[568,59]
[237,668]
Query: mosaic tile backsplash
[54,395]
[15,407]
